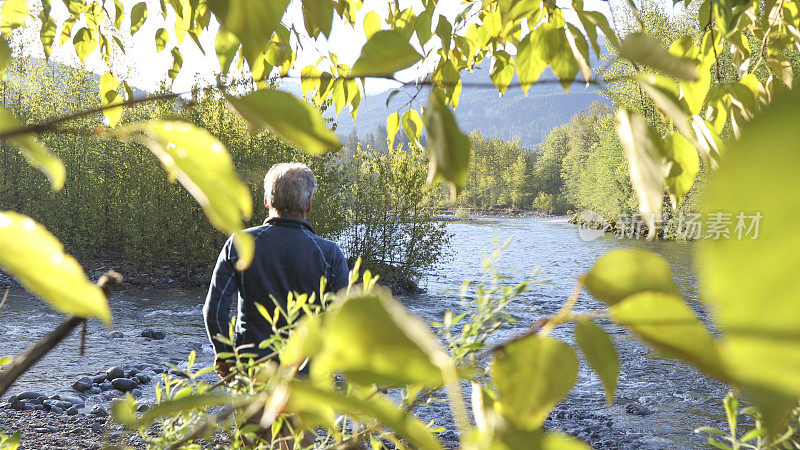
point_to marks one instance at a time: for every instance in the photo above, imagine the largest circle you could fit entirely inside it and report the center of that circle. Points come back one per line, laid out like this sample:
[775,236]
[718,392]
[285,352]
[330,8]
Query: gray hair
[288,188]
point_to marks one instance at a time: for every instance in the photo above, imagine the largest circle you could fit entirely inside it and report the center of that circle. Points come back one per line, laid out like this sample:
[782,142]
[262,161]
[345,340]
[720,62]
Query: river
[677,397]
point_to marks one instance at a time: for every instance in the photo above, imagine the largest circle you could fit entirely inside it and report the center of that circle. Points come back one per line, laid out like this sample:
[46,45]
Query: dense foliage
[366,336]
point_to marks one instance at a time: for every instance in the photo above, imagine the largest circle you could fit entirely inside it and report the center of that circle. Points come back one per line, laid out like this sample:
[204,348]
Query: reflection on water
[681,398]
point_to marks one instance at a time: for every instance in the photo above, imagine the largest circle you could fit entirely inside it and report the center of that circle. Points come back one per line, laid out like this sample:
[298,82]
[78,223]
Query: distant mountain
[530,118]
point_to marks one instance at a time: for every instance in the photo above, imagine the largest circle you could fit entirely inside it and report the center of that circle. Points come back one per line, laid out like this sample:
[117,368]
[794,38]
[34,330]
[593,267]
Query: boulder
[638,409]
[30,395]
[153,334]
[99,378]
[71,399]
[72,411]
[105,386]
[117,335]
[114,373]
[84,384]
[56,410]
[143,378]
[124,384]
[99,411]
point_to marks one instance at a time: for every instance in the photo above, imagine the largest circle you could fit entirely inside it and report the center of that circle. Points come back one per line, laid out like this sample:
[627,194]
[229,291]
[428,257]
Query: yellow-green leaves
[599,351]
[138,16]
[626,271]
[683,165]
[530,63]
[392,125]
[5,54]
[372,24]
[318,16]
[37,259]
[85,43]
[667,323]
[162,36]
[531,376]
[34,152]
[251,22]
[752,282]
[412,125]
[203,166]
[13,15]
[177,63]
[290,118]
[643,49]
[363,337]
[502,70]
[385,53]
[324,404]
[47,35]
[109,96]
[448,147]
[642,146]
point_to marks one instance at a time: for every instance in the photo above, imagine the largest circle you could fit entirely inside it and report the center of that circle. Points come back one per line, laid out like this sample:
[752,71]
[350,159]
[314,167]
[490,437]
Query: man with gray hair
[289,257]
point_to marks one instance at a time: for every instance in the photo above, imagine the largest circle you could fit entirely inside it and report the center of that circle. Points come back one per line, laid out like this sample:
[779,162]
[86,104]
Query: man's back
[289,257]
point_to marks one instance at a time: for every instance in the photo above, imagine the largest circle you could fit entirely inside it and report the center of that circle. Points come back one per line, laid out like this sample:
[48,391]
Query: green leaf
[318,16]
[502,70]
[392,125]
[580,50]
[37,259]
[5,54]
[599,351]
[226,45]
[684,163]
[627,271]
[85,43]
[13,15]
[109,96]
[640,48]
[119,13]
[5,360]
[448,147]
[66,30]
[252,22]
[183,404]
[47,35]
[530,63]
[203,166]
[668,325]
[365,333]
[372,24]
[177,63]
[124,411]
[290,118]
[643,148]
[532,375]
[385,53]
[324,404]
[753,281]
[34,152]
[162,36]
[138,16]
[412,125]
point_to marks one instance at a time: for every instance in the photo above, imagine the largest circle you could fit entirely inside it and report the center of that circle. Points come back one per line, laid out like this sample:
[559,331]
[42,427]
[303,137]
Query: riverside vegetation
[363,334]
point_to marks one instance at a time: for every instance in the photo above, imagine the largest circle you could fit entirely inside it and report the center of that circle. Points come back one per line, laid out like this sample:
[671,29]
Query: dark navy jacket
[289,257]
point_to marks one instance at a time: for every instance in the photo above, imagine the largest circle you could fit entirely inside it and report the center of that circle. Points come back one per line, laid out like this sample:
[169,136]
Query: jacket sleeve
[340,273]
[223,290]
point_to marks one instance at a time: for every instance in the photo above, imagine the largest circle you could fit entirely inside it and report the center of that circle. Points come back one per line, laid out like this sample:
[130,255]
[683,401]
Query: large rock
[99,378]
[124,384]
[72,411]
[71,399]
[30,395]
[84,384]
[99,411]
[105,386]
[153,334]
[143,378]
[114,373]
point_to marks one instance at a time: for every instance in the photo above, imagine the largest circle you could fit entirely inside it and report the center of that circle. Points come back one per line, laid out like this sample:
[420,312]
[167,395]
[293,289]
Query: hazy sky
[143,68]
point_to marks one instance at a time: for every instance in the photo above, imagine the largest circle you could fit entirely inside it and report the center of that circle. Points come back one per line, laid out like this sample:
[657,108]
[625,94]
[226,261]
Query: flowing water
[678,397]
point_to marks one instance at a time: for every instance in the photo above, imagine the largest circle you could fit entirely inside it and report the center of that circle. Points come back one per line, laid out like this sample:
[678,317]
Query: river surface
[679,398]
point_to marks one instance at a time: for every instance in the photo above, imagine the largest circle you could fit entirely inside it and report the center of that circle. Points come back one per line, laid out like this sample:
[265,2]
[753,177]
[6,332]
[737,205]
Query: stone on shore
[114,373]
[124,384]
[83,384]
